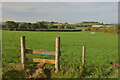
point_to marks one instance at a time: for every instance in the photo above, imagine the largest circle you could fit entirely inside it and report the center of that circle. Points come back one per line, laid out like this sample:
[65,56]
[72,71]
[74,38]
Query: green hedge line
[59,30]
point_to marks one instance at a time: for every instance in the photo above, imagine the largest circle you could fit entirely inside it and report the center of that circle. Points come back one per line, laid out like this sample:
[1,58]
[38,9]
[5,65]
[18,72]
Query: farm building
[97,26]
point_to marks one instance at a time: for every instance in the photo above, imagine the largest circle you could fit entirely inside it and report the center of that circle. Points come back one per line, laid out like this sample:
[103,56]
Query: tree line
[11,25]
[56,26]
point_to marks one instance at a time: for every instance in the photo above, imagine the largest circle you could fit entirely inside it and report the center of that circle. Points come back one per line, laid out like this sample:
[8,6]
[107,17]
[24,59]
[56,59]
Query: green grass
[101,49]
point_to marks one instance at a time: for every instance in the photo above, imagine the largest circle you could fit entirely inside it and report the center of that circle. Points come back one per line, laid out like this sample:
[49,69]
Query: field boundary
[57,30]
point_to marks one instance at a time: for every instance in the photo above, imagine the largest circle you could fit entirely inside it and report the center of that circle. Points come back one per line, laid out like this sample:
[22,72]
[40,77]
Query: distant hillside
[89,23]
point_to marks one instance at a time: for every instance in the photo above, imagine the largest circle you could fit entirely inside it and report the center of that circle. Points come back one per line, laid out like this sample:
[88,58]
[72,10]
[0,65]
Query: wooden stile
[57,61]
[23,55]
[40,51]
[83,57]
[41,60]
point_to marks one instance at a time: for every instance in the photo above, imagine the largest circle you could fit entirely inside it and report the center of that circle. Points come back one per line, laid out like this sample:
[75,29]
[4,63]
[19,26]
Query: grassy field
[101,49]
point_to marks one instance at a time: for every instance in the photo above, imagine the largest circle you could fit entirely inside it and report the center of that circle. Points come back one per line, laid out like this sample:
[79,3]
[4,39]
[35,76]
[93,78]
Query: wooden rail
[40,51]
[41,60]
[56,53]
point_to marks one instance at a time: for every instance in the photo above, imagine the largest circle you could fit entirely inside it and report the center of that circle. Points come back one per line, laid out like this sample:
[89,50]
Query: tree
[66,26]
[34,26]
[10,24]
[42,24]
[49,25]
[28,25]
[22,26]
[59,26]
[52,22]
[65,23]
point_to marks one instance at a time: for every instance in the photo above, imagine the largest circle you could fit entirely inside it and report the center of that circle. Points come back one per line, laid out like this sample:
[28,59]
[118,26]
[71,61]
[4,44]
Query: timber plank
[41,60]
[40,52]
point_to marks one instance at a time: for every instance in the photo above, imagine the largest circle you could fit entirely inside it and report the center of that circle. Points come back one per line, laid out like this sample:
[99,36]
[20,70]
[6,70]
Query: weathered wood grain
[57,54]
[40,51]
[83,57]
[23,55]
[41,60]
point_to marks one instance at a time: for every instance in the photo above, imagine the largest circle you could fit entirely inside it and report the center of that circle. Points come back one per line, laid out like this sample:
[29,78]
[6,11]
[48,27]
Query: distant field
[101,49]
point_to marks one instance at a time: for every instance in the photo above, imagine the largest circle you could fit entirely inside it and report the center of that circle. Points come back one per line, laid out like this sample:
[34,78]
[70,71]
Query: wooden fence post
[23,52]
[83,57]
[57,54]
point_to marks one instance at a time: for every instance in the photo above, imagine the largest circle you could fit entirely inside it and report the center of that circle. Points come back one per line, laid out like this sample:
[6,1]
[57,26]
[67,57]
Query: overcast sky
[60,0]
[71,12]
